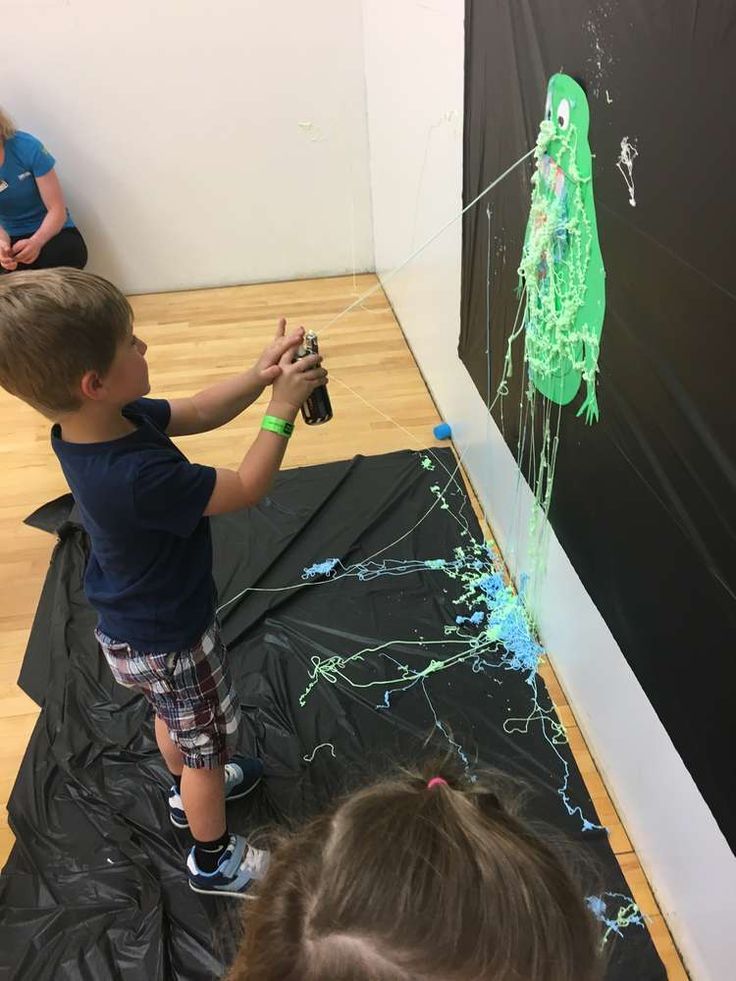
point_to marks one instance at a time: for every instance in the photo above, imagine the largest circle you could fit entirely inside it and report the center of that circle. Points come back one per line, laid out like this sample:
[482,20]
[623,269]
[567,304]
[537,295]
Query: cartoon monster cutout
[561,266]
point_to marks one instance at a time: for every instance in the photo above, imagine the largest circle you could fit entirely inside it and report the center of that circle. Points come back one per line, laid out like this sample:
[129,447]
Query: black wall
[644,501]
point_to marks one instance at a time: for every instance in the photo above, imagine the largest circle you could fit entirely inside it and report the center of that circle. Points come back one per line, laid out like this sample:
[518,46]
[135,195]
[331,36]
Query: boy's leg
[202,791]
[168,748]
[195,700]
[203,795]
[203,676]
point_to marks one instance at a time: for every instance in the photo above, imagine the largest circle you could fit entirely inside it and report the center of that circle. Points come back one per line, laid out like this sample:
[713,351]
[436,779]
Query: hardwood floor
[381,404]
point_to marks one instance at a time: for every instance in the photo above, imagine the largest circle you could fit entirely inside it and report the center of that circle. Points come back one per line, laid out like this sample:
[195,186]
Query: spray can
[317,409]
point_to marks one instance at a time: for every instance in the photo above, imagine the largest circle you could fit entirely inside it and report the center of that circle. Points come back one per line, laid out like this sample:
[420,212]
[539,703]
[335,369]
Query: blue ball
[442,431]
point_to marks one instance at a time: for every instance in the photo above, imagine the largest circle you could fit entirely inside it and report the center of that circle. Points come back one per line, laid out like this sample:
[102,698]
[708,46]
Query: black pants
[65,249]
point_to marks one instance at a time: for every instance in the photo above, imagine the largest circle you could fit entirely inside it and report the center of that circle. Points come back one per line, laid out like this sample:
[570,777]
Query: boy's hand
[268,368]
[298,379]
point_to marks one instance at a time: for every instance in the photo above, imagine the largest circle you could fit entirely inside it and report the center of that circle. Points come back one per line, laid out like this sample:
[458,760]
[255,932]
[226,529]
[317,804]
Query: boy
[68,349]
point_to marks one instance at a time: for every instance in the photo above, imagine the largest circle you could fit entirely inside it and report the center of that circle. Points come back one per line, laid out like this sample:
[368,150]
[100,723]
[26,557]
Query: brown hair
[7,129]
[403,881]
[55,325]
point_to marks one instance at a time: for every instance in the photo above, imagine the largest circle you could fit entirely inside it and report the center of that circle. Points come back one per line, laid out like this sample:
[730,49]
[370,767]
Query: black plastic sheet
[644,500]
[95,886]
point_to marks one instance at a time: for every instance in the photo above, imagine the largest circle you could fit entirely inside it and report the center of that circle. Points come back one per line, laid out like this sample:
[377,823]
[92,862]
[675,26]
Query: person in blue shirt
[36,229]
[67,348]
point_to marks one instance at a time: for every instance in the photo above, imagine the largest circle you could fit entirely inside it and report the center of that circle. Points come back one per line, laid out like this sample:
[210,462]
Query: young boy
[68,349]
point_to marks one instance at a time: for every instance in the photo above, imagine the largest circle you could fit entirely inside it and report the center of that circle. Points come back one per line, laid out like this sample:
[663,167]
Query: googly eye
[563,114]
[548,109]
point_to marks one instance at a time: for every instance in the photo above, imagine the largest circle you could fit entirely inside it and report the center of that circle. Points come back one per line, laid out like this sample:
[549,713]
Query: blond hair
[416,878]
[7,128]
[55,325]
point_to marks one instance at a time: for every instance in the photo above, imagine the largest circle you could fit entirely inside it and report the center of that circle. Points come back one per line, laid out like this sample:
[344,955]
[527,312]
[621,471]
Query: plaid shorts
[191,692]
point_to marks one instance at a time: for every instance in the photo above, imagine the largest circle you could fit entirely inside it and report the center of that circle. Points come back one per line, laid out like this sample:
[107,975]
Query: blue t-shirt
[21,206]
[149,574]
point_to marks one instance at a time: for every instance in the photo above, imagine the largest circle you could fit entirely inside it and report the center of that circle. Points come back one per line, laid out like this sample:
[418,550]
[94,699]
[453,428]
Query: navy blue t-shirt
[149,575]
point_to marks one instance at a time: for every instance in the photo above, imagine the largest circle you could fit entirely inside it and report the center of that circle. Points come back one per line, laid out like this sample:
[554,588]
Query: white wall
[414,70]
[199,144]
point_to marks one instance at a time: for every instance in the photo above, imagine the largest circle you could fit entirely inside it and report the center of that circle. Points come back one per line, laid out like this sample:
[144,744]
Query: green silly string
[492,633]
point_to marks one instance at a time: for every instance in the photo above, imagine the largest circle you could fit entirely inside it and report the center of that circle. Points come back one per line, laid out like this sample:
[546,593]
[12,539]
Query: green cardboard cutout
[561,266]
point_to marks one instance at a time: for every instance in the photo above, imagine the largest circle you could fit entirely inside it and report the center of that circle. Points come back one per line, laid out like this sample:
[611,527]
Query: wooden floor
[198,337]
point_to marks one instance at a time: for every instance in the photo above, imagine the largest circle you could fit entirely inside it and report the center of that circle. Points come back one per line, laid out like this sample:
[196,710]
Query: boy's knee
[205,770]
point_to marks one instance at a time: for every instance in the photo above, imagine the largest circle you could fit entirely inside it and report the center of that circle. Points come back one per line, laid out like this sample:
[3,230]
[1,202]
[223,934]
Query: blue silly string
[491,632]
[627,915]
[365,571]
[320,569]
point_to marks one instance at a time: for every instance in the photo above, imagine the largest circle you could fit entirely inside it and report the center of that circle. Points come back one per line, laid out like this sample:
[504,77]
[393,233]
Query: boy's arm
[246,486]
[218,404]
[214,406]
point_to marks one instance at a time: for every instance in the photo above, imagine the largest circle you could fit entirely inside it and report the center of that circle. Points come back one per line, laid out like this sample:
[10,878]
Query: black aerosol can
[317,408]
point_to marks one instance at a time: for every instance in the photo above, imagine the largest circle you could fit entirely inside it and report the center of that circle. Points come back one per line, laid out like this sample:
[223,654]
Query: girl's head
[418,878]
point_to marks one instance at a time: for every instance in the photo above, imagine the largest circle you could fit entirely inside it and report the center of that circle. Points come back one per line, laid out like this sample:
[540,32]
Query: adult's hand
[26,251]
[7,260]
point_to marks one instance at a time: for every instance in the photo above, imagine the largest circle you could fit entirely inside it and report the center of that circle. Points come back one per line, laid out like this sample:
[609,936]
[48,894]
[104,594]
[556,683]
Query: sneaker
[238,871]
[241,776]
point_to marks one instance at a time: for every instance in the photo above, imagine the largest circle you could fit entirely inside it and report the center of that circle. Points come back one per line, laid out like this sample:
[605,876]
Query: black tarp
[95,886]
[644,501]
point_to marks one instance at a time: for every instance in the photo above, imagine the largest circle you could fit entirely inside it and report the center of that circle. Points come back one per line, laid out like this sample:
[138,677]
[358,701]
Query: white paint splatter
[609,100]
[310,756]
[625,164]
[312,131]
[600,59]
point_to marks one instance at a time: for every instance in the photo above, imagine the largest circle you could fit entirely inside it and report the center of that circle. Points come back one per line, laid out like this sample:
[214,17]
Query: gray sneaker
[238,871]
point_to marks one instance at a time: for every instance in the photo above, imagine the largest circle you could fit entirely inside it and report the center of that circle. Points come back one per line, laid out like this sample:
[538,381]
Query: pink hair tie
[436,782]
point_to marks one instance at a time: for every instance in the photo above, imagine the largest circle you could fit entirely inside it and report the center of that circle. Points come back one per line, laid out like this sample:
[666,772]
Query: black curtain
[643,500]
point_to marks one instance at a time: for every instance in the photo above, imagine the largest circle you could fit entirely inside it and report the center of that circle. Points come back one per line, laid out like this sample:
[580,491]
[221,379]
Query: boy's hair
[403,881]
[7,129]
[55,325]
